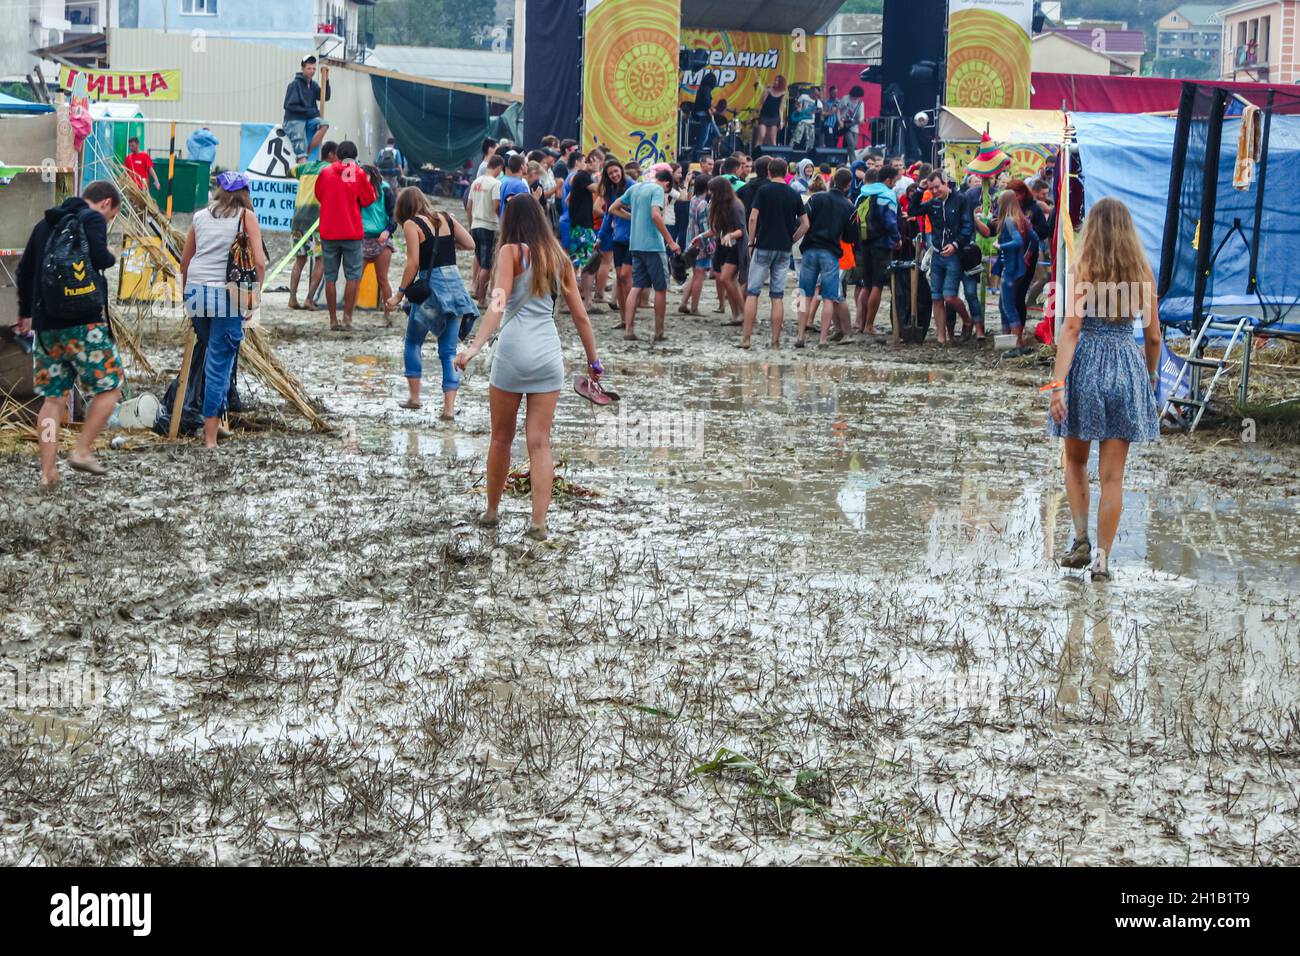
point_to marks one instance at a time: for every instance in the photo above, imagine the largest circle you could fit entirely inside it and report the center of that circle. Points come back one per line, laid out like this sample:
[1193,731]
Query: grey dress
[527,359]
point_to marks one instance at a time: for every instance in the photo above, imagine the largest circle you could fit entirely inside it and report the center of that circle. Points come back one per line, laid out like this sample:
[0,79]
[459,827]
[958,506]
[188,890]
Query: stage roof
[760,16]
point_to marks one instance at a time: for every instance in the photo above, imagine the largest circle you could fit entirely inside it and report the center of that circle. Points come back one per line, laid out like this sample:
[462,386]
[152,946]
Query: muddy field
[809,616]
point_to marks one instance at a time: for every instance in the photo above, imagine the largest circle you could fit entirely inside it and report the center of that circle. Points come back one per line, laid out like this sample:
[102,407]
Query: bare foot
[86,462]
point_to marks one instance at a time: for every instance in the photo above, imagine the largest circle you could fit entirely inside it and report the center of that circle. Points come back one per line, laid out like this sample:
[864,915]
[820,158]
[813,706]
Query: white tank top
[212,239]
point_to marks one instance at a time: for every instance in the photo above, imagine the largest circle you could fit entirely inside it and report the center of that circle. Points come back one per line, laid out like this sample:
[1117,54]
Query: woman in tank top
[769,115]
[532,271]
[431,243]
[216,310]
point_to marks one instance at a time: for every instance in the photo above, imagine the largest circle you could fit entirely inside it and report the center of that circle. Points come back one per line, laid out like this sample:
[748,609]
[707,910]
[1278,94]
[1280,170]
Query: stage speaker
[912,35]
[836,157]
[788,153]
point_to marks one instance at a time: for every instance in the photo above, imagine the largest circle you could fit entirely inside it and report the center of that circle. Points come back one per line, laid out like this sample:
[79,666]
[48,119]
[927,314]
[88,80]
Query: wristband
[401,290]
[1055,386]
[597,367]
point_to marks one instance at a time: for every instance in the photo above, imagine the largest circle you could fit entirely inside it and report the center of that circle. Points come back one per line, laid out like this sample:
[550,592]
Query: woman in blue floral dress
[1104,386]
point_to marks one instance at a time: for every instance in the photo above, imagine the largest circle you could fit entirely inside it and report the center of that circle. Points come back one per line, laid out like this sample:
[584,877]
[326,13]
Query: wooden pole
[178,405]
[171,170]
[324,85]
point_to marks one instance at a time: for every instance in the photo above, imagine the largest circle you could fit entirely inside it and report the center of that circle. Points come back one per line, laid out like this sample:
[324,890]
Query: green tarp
[434,125]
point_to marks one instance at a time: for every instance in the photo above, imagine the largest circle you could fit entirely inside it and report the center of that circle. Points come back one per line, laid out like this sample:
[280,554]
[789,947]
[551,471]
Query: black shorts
[485,246]
[874,264]
[622,255]
[726,255]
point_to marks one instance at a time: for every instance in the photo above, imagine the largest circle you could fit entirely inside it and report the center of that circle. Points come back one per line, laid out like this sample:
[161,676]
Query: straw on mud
[257,355]
[142,219]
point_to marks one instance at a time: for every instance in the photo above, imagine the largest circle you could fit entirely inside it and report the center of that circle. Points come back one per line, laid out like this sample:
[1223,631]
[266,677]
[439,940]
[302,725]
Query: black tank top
[771,107]
[436,251]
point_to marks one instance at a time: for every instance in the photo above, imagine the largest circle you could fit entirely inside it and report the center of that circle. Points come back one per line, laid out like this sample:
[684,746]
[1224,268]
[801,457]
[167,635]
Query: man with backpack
[877,215]
[62,295]
[391,163]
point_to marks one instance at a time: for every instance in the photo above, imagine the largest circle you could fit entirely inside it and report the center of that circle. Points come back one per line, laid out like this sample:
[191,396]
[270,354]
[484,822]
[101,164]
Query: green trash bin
[189,185]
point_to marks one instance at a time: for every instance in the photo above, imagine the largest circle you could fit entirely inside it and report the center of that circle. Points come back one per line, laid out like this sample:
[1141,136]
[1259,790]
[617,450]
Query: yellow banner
[988,53]
[747,62]
[629,79]
[124,84]
[1027,159]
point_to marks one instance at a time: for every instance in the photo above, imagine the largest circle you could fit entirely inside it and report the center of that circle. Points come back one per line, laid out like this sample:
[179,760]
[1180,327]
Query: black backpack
[72,289]
[871,220]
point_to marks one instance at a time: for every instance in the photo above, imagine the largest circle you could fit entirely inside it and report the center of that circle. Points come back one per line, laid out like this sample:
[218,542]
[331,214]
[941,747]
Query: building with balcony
[45,23]
[1260,41]
[336,28]
[1190,30]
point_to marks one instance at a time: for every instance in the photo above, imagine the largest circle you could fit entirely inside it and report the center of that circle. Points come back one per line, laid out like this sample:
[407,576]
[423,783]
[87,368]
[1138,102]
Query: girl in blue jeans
[431,243]
[1013,238]
[215,308]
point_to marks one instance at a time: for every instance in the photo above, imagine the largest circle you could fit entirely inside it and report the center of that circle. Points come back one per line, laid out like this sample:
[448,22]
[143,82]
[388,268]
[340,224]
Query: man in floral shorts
[71,353]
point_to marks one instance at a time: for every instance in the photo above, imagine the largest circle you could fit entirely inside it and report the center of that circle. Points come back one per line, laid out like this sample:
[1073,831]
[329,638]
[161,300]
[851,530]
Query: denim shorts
[770,266]
[650,270]
[945,275]
[301,133]
[820,268]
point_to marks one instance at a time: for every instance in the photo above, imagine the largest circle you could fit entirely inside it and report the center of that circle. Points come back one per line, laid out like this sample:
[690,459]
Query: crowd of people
[552,228]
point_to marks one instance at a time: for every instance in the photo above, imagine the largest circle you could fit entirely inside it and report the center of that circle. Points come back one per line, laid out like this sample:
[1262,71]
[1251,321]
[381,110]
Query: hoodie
[856,187]
[29,267]
[888,204]
[342,195]
[885,193]
[302,98]
[202,145]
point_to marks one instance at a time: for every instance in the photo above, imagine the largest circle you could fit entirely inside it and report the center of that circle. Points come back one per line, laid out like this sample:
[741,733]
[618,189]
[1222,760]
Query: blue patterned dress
[1107,390]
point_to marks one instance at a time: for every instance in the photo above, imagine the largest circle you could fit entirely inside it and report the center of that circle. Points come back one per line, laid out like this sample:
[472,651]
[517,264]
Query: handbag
[241,268]
[418,291]
[970,257]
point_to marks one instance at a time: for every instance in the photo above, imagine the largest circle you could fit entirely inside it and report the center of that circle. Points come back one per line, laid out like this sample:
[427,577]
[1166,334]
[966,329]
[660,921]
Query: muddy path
[810,616]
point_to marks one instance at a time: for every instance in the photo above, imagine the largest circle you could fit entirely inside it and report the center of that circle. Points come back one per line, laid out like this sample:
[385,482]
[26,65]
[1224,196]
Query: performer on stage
[769,117]
[706,127]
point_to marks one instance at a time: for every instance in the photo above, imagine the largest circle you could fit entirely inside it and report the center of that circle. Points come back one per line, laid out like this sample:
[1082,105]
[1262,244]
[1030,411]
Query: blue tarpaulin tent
[1128,157]
[11,104]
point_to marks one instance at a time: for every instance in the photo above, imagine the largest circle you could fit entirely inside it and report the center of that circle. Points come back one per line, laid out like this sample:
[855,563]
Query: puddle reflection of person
[1069,680]
[1102,391]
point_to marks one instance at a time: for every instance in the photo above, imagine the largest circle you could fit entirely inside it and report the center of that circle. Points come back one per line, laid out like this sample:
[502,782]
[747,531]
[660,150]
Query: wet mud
[811,616]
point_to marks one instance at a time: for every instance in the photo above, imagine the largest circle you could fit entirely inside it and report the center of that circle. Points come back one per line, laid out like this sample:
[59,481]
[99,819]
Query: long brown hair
[524,224]
[411,203]
[230,203]
[1111,256]
[722,207]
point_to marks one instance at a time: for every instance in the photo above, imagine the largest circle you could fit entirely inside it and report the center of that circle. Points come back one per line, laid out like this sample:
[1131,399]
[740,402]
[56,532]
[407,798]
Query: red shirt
[342,189]
[139,165]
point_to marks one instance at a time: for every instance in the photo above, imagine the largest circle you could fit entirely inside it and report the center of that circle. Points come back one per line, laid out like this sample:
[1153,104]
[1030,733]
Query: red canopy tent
[1125,94]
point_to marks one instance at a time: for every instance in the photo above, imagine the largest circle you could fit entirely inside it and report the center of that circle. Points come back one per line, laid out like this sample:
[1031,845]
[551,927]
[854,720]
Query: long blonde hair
[1009,206]
[1111,255]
